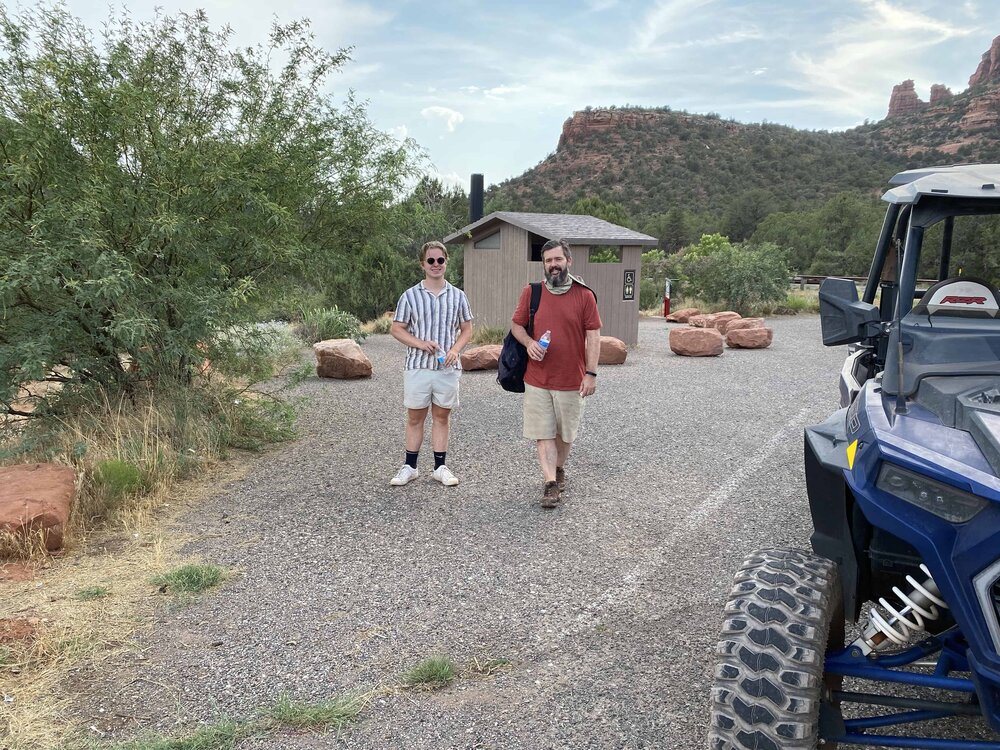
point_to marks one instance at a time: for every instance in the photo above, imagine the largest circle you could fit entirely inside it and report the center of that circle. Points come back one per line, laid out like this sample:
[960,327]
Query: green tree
[599,208]
[745,212]
[153,182]
[737,276]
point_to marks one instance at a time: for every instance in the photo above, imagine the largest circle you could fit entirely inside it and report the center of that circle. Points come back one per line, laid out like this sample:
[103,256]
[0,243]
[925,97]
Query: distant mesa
[584,124]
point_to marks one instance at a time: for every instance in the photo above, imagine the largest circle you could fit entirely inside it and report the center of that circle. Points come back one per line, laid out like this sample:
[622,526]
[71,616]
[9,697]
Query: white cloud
[498,92]
[451,118]
[859,62]
[664,19]
[400,132]
[758,71]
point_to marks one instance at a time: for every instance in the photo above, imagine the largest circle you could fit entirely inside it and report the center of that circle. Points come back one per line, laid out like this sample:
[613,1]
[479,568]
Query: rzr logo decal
[953,300]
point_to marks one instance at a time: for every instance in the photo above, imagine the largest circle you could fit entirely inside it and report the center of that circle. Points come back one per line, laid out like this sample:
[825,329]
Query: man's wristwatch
[592,374]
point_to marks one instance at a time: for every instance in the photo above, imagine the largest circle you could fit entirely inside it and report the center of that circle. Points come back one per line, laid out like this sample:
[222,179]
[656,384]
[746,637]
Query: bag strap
[536,297]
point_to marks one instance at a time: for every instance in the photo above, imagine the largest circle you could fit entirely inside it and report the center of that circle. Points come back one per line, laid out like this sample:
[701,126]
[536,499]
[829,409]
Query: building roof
[958,181]
[574,228]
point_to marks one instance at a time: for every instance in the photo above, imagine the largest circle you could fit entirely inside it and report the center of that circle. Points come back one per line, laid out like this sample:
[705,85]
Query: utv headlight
[940,499]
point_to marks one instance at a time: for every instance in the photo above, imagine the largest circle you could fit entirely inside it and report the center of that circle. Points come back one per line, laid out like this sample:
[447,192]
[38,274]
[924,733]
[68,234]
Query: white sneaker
[405,475]
[444,476]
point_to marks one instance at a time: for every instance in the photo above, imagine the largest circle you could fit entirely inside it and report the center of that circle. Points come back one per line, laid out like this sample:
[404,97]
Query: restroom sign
[628,288]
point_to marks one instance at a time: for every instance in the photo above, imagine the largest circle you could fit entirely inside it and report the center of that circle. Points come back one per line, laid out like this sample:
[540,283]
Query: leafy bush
[153,182]
[255,352]
[657,267]
[605,254]
[322,323]
[740,277]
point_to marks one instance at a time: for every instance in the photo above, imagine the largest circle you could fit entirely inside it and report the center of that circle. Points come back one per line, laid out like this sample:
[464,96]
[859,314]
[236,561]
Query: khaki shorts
[422,387]
[548,414]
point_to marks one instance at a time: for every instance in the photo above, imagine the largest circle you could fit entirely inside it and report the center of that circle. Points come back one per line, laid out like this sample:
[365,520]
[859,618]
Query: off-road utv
[904,492]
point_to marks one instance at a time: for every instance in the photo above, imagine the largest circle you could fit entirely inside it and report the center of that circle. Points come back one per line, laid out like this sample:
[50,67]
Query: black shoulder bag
[513,356]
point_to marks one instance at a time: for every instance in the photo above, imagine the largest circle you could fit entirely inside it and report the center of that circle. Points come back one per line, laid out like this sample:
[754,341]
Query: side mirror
[842,316]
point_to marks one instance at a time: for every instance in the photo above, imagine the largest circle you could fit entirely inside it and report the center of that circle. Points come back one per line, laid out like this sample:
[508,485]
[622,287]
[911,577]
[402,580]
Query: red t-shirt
[569,316]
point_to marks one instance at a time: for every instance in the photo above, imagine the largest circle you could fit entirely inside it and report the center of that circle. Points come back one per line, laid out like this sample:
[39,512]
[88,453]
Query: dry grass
[381,324]
[73,629]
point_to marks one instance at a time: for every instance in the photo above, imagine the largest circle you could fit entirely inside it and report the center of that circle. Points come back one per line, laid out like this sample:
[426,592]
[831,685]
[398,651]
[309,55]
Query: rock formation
[696,342]
[750,338]
[683,315]
[989,66]
[736,325]
[721,320]
[341,358]
[904,100]
[37,499]
[483,357]
[585,123]
[940,93]
[613,351]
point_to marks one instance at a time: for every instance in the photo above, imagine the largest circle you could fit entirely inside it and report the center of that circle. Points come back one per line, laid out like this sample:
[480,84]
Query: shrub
[255,352]
[322,323]
[119,478]
[740,277]
[381,324]
[488,335]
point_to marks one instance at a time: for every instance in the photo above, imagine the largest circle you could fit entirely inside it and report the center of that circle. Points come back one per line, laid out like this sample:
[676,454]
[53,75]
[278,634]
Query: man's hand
[428,346]
[535,351]
[588,386]
[451,357]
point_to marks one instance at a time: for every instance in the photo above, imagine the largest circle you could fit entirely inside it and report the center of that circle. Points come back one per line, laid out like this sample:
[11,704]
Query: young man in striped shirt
[434,320]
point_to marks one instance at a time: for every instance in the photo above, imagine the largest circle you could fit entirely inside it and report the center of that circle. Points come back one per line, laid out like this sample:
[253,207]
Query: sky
[486,86]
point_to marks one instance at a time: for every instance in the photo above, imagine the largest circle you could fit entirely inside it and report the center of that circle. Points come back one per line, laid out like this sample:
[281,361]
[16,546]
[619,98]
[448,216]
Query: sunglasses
[440,261]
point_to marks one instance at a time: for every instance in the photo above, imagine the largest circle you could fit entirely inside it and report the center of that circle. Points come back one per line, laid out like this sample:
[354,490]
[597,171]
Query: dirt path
[608,608]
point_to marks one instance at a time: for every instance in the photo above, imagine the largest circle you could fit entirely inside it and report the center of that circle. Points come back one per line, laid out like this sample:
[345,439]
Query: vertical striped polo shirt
[432,317]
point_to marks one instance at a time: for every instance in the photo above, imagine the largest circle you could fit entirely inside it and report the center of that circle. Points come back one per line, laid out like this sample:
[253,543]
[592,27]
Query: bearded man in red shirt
[561,376]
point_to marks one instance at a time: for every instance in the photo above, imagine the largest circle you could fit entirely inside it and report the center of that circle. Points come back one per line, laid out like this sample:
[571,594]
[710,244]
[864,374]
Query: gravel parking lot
[607,608]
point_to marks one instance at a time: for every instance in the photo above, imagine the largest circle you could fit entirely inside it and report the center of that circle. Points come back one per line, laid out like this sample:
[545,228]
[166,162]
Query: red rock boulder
[341,358]
[481,357]
[721,320]
[37,499]
[735,325]
[750,338]
[682,315]
[701,321]
[696,342]
[613,351]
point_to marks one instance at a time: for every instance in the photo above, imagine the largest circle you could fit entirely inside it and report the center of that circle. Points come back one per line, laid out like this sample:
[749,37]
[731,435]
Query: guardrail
[802,280]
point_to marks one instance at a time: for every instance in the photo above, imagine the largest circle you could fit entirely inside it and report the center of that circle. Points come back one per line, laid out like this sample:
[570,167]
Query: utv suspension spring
[919,606]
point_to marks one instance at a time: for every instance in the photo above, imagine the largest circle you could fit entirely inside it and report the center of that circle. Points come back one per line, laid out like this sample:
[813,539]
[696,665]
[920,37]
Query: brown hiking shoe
[561,478]
[550,498]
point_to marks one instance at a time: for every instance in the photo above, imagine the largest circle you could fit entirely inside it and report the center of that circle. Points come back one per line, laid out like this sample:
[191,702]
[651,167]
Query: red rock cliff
[585,123]
[989,67]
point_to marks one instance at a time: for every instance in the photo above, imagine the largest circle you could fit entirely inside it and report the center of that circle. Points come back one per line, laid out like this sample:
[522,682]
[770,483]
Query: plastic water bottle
[441,357]
[544,342]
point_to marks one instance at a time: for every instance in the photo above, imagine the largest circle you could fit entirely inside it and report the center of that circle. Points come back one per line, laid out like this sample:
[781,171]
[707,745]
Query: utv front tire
[776,631]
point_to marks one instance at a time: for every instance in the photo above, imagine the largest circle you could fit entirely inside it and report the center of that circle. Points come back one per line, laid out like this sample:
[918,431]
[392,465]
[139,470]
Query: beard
[558,277]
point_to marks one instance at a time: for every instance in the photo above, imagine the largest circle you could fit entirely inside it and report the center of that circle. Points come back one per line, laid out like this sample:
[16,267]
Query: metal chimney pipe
[476,199]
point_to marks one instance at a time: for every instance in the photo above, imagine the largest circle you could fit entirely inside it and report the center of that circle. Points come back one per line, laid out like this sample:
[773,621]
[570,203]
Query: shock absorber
[897,626]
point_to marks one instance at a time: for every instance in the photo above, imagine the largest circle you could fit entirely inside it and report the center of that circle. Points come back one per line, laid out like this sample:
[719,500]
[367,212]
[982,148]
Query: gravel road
[607,608]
